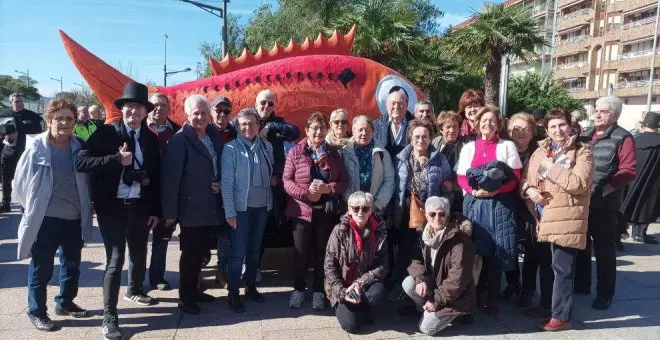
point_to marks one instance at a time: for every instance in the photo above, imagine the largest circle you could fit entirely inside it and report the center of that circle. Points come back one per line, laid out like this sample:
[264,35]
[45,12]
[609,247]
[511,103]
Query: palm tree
[496,32]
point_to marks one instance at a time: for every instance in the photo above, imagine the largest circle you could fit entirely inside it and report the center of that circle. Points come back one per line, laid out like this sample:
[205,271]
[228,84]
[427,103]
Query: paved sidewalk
[635,313]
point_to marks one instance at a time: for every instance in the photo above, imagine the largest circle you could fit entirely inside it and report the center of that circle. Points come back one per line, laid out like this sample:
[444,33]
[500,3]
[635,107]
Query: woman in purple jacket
[314,178]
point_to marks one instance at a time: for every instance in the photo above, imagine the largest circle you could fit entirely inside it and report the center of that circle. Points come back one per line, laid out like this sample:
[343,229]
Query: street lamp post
[27,74]
[82,86]
[60,80]
[165,64]
[187,69]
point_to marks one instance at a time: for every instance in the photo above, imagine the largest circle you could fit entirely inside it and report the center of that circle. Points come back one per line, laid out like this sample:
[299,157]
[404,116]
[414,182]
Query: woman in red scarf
[356,264]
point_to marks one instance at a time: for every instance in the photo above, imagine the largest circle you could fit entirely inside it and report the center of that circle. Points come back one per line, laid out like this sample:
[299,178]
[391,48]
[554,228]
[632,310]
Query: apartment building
[600,47]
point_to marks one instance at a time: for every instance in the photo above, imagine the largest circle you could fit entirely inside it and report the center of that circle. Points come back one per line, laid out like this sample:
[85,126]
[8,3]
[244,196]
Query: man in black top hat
[124,161]
[15,124]
[641,205]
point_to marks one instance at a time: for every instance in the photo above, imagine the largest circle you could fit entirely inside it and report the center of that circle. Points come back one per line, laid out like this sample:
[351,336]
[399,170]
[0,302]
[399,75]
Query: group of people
[431,209]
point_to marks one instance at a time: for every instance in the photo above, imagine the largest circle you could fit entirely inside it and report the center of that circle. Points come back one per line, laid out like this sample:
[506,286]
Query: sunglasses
[340,122]
[440,214]
[358,209]
[223,112]
[270,104]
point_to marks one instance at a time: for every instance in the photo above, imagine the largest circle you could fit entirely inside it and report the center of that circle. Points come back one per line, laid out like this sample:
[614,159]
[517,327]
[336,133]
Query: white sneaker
[318,301]
[297,299]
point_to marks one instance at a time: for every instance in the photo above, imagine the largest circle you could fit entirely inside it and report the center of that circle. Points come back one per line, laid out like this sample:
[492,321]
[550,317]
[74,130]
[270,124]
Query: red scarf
[467,130]
[351,273]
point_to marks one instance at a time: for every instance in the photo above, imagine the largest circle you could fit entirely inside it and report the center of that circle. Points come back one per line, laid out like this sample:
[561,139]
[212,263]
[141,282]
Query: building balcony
[635,88]
[576,89]
[562,3]
[629,5]
[584,95]
[638,32]
[571,70]
[635,63]
[573,45]
[576,18]
[638,54]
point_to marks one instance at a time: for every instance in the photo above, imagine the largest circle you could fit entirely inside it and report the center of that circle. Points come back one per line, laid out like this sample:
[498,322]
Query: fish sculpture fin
[104,80]
[337,44]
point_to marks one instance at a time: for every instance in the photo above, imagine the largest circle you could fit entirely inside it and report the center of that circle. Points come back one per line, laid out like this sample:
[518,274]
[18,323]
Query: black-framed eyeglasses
[270,103]
[440,214]
[364,210]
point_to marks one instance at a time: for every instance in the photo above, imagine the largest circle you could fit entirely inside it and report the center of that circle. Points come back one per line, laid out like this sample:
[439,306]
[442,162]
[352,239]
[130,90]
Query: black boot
[252,293]
[524,299]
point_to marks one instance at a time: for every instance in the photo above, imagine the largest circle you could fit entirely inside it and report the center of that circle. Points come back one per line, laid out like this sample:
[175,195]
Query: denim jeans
[563,265]
[128,225]
[223,235]
[158,257]
[246,246]
[429,323]
[54,233]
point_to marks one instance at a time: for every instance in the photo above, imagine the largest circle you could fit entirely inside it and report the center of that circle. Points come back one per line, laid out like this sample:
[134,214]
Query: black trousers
[193,244]
[309,242]
[7,168]
[490,278]
[406,247]
[602,233]
[538,258]
[350,315]
[128,224]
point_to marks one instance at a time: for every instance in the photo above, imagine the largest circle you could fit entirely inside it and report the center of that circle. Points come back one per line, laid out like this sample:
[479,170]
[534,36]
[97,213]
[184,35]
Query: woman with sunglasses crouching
[441,279]
[356,264]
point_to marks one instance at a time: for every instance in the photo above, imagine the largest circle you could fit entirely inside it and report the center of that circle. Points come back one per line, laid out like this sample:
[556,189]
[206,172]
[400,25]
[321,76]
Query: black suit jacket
[99,157]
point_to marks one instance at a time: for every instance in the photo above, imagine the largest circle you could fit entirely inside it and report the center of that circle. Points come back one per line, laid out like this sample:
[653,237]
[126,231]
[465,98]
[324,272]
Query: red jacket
[297,177]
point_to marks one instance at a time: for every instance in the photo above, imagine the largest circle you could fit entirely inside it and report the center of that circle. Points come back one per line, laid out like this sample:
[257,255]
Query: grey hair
[405,95]
[14,95]
[248,112]
[154,96]
[338,111]
[193,100]
[364,118]
[614,103]
[425,102]
[436,202]
[266,93]
[360,198]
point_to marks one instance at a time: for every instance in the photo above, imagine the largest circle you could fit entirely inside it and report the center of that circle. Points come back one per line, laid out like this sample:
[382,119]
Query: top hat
[135,93]
[651,120]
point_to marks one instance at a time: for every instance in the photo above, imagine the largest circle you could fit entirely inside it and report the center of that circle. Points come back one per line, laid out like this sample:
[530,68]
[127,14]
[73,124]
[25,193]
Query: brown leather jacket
[450,283]
[341,254]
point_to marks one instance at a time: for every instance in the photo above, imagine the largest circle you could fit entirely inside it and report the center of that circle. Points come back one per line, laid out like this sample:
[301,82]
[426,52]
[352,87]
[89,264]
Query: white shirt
[434,252]
[133,191]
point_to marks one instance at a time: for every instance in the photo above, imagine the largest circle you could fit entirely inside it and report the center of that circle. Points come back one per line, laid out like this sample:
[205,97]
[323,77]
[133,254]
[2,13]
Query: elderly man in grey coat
[58,213]
[190,187]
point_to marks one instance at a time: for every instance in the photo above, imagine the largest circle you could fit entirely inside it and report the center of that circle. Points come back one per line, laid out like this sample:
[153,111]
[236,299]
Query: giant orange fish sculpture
[312,76]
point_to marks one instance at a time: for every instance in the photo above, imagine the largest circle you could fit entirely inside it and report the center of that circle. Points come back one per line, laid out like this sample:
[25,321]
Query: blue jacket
[439,172]
[236,176]
[494,226]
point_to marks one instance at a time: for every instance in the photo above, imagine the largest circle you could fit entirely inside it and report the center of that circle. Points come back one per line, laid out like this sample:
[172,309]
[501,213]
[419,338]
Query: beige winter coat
[564,220]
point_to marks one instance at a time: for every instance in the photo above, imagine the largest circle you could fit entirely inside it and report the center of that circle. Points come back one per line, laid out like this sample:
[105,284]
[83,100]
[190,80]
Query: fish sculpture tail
[105,81]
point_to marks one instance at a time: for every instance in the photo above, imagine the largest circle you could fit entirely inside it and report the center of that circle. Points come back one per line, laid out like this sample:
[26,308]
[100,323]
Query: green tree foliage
[536,91]
[496,32]
[235,43]
[9,85]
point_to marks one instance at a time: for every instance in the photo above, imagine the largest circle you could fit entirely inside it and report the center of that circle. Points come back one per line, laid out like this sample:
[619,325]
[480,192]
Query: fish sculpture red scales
[317,75]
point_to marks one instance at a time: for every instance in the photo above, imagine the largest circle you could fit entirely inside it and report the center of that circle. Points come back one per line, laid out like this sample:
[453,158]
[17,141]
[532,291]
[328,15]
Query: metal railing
[635,83]
[637,54]
[573,65]
[576,89]
[638,23]
[573,40]
[584,11]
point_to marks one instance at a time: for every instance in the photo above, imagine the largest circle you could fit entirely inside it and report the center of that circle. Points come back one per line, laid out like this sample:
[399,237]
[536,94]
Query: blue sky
[128,34]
